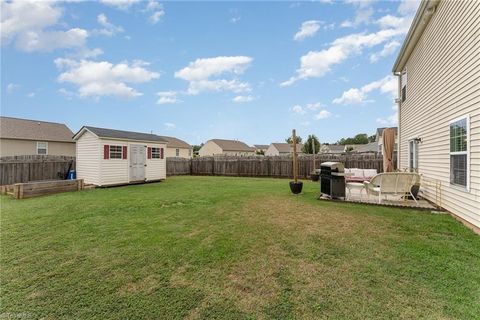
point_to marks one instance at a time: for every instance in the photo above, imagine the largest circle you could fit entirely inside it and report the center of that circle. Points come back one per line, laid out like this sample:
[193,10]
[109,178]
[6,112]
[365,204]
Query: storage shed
[108,157]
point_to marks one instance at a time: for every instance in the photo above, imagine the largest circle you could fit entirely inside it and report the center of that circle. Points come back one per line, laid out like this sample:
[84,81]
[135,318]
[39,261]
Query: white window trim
[46,147]
[110,152]
[460,187]
[159,153]
[415,156]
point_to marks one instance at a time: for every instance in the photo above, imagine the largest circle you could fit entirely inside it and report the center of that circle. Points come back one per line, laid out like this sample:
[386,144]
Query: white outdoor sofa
[392,183]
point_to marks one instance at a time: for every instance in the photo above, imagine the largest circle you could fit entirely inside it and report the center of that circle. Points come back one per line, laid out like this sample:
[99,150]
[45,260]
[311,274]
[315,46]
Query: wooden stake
[313,145]
[294,140]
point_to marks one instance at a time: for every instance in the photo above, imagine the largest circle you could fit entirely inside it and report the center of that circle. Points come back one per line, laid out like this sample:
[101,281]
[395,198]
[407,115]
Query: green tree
[289,140]
[361,138]
[311,141]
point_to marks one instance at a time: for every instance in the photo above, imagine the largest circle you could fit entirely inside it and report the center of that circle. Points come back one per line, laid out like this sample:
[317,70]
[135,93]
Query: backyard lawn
[231,248]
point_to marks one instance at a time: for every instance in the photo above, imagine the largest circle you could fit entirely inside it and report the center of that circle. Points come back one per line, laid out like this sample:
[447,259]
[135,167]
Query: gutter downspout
[399,103]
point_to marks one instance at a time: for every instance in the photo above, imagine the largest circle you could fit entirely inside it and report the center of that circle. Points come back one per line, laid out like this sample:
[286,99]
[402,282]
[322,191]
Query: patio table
[355,186]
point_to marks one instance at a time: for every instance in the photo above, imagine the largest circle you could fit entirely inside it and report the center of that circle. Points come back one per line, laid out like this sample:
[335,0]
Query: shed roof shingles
[126,135]
[24,129]
[286,147]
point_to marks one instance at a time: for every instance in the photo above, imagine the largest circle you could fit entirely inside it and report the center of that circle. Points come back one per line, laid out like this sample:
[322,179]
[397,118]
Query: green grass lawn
[231,248]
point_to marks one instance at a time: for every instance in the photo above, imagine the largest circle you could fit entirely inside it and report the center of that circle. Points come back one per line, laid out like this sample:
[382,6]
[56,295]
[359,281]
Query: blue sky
[201,70]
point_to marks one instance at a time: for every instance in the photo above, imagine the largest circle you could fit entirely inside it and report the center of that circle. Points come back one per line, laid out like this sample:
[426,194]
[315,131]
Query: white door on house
[137,162]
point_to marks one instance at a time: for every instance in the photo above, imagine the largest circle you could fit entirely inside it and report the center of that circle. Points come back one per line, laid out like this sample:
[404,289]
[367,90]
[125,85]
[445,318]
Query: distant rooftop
[16,128]
[232,145]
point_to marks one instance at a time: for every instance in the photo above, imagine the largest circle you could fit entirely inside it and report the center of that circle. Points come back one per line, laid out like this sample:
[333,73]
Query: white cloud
[315,106]
[170,125]
[363,14]
[408,6]
[308,29]
[120,4]
[387,50]
[386,85]
[200,72]
[389,121]
[25,23]
[240,99]
[12,87]
[168,97]
[104,78]
[156,16]
[298,109]
[109,29]
[316,64]
[31,95]
[49,41]
[323,114]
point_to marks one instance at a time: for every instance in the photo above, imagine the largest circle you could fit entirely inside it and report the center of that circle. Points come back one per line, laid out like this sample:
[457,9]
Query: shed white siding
[444,84]
[95,169]
[88,158]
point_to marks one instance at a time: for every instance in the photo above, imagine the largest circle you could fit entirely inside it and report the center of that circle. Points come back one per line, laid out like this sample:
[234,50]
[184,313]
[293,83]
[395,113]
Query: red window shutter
[149,152]
[124,153]
[106,151]
[161,153]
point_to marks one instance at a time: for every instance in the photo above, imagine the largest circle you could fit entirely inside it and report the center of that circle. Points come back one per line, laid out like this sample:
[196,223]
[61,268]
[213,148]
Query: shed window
[42,148]
[404,85]
[115,152]
[177,152]
[156,153]
[459,131]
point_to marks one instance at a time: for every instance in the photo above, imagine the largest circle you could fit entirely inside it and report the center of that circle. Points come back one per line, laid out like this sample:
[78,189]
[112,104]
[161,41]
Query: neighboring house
[112,157]
[259,148]
[332,148]
[370,147]
[224,147]
[379,139]
[439,103]
[20,137]
[282,149]
[177,148]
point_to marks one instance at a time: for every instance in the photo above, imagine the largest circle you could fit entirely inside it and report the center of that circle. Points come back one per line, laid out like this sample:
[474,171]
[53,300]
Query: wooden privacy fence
[17,169]
[260,166]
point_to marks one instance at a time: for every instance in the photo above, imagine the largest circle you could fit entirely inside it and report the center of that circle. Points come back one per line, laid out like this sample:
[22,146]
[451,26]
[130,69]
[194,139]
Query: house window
[177,152]
[459,160]
[190,152]
[404,85]
[115,152]
[42,148]
[155,153]
[413,155]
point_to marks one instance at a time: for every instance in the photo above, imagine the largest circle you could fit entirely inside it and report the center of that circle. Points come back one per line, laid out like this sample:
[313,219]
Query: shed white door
[137,162]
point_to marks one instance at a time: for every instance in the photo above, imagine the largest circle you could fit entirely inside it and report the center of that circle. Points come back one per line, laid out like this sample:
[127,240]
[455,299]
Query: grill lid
[332,166]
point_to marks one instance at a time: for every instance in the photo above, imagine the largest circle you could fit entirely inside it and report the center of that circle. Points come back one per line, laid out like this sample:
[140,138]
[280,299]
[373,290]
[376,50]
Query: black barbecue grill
[332,179]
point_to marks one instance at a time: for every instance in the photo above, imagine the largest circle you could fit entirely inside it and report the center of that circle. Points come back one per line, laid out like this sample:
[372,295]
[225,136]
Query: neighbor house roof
[232,145]
[173,142]
[15,128]
[422,17]
[338,148]
[260,146]
[120,134]
[286,147]
[368,147]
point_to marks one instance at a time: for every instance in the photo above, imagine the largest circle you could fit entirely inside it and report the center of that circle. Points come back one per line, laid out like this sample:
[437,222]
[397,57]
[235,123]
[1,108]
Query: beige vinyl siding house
[113,157]
[217,147]
[19,137]
[177,148]
[439,103]
[282,149]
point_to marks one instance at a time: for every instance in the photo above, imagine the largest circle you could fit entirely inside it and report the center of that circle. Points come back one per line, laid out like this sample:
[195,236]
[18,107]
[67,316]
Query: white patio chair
[392,183]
